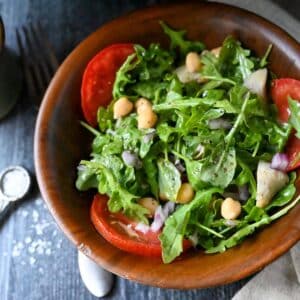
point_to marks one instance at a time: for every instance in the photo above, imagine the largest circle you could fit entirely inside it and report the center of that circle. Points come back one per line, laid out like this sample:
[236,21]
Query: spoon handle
[97,280]
[4,206]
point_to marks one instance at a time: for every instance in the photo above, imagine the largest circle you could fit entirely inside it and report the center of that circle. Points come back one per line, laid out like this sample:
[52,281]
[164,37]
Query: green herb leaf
[178,40]
[169,179]
[234,61]
[120,199]
[174,230]
[294,119]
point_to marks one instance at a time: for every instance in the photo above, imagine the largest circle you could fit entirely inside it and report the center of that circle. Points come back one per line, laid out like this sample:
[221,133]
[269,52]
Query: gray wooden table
[36,260]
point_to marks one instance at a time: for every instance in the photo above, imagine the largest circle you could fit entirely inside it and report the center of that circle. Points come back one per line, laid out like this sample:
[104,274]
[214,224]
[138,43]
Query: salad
[193,147]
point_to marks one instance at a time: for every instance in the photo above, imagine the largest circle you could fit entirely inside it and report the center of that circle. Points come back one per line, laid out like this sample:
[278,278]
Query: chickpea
[216,51]
[185,193]
[122,107]
[192,62]
[230,209]
[149,203]
[146,119]
[143,104]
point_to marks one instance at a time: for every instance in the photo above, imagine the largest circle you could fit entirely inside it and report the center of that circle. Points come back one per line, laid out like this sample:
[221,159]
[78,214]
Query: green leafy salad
[190,146]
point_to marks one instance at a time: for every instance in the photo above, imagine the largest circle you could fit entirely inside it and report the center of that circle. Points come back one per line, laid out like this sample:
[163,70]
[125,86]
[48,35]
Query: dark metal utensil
[10,76]
[38,61]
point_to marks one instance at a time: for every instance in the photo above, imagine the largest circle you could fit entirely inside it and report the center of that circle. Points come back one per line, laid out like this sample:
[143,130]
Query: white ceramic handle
[97,280]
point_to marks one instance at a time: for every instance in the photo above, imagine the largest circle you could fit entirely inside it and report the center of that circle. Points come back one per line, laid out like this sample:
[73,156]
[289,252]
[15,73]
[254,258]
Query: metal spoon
[14,185]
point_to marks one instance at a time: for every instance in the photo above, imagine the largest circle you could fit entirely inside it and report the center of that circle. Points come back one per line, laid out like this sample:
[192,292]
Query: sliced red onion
[149,136]
[219,124]
[142,227]
[131,159]
[231,223]
[168,208]
[161,214]
[243,192]
[179,166]
[159,219]
[194,239]
[199,151]
[280,162]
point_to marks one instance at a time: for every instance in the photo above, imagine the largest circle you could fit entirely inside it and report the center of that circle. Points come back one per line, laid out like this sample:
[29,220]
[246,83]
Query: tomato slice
[119,230]
[281,89]
[99,77]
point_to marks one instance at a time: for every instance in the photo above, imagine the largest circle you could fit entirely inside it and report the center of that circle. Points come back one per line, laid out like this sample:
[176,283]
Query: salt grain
[35,245]
[25,213]
[31,250]
[35,216]
[32,260]
[28,240]
[38,202]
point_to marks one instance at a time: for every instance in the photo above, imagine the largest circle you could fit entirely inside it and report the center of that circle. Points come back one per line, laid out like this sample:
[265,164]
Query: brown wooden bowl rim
[39,157]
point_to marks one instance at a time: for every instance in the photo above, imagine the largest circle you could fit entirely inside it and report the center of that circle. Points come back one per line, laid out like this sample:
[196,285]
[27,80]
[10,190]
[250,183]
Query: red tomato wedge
[99,77]
[282,89]
[117,229]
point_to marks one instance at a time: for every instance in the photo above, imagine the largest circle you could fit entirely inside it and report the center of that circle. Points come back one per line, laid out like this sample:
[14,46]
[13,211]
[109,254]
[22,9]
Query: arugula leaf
[105,117]
[264,60]
[175,226]
[86,179]
[169,179]
[246,177]
[234,61]
[123,77]
[217,171]
[239,235]
[178,40]
[90,128]
[180,104]
[120,198]
[239,119]
[142,73]
[151,171]
[294,119]
[220,172]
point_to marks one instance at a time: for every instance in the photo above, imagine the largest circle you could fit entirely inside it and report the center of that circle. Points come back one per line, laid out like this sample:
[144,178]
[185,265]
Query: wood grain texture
[55,276]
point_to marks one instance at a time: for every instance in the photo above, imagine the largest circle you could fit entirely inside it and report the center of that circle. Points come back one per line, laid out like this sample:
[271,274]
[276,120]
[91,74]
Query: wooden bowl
[60,143]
